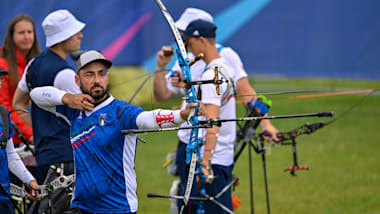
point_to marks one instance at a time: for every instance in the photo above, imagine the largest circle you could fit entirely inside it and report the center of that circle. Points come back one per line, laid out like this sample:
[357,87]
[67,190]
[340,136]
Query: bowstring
[353,106]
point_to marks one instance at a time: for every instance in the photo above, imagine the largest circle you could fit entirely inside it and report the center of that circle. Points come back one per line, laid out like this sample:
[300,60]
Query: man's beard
[98,96]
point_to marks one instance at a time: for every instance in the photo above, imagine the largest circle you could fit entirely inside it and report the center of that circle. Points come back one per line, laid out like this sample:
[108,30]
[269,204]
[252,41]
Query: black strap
[28,75]
[4,114]
[27,78]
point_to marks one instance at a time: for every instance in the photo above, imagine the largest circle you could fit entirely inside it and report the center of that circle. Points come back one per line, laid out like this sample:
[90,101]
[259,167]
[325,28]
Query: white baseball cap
[59,26]
[190,15]
[92,56]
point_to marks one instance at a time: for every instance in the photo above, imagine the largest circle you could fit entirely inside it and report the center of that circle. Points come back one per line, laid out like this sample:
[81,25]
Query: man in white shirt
[63,36]
[218,149]
[165,86]
[51,133]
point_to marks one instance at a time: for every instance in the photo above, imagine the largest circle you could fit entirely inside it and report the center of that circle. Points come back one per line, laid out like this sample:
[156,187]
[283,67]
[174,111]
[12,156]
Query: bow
[192,149]
[193,155]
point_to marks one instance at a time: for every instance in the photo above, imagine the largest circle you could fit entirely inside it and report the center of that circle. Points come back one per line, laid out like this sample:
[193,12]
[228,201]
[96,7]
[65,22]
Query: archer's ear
[77,80]
[205,41]
[202,39]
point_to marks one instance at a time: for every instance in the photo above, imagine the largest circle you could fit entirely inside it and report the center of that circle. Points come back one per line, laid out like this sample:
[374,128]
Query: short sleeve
[22,83]
[234,61]
[65,80]
[127,114]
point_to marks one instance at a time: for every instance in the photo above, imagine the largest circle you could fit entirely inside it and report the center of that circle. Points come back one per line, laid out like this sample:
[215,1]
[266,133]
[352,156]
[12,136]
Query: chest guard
[229,93]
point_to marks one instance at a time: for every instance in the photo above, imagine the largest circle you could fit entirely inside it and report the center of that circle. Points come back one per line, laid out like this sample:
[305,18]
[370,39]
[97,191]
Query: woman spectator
[20,45]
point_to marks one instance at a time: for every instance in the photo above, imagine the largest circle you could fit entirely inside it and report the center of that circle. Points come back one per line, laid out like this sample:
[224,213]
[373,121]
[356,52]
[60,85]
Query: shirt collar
[101,105]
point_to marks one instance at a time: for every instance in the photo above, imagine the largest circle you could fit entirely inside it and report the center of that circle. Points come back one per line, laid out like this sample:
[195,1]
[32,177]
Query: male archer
[218,149]
[105,180]
[169,85]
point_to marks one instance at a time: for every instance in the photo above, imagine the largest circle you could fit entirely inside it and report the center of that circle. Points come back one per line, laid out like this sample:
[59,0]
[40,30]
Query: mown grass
[344,174]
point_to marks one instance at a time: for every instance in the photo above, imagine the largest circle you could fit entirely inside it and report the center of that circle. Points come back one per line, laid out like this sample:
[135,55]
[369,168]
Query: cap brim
[185,36]
[106,62]
[3,72]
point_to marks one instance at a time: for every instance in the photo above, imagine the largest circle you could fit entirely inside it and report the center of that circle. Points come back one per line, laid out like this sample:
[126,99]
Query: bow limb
[192,150]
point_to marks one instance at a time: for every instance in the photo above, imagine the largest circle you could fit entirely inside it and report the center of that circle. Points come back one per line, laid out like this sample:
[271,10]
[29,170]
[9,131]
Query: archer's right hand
[79,101]
[164,56]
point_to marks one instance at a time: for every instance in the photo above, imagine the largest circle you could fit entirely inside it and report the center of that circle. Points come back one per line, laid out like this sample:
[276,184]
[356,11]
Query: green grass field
[344,169]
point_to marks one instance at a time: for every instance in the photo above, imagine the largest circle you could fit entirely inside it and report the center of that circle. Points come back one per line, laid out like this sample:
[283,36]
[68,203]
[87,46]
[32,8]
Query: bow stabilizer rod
[218,122]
